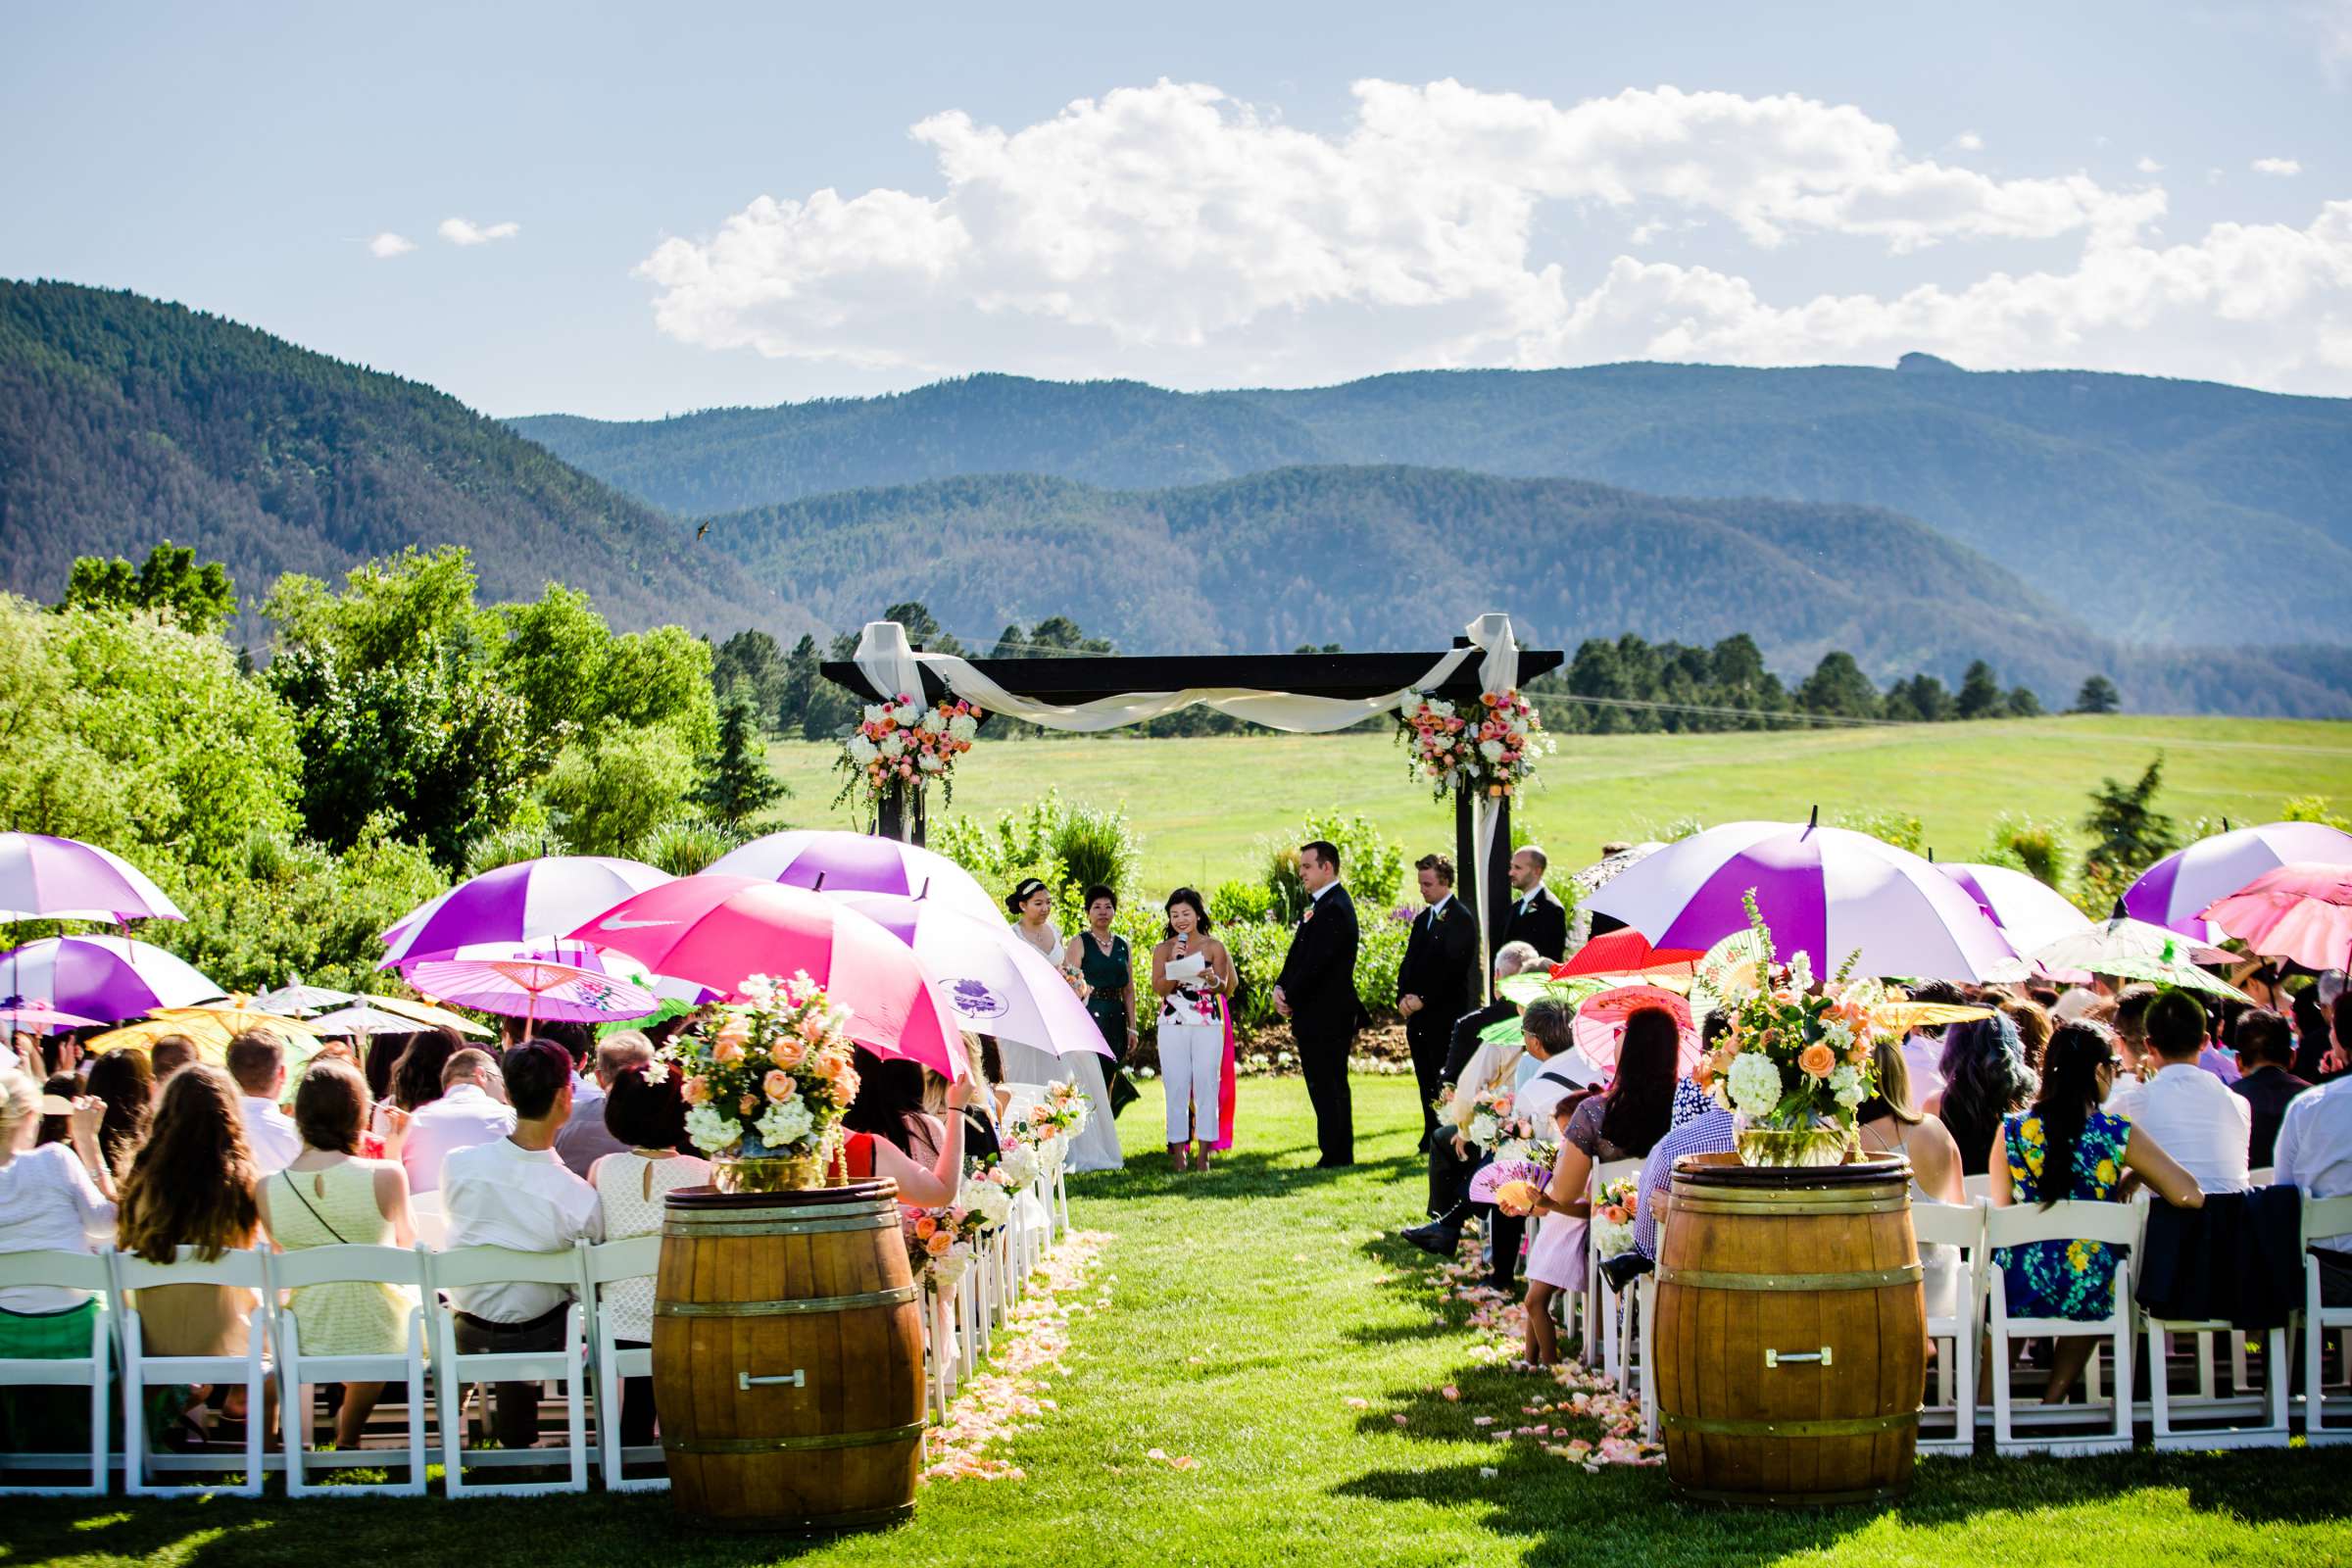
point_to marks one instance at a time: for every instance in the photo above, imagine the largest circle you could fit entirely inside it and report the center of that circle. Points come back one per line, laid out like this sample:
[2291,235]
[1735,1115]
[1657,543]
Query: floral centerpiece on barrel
[1491,745]
[902,742]
[768,1080]
[1796,1065]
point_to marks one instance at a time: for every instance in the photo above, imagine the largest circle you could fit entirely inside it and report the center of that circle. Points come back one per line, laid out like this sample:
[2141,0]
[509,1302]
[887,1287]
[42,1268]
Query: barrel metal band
[896,1295]
[1688,1202]
[700,1218]
[812,1227]
[1873,1279]
[1762,1427]
[822,1439]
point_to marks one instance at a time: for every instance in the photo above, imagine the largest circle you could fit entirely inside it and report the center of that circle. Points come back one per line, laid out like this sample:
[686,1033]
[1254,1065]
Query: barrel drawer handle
[1773,1358]
[797,1378]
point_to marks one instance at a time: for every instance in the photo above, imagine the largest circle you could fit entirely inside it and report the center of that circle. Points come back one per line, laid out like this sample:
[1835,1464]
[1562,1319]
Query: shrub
[1371,866]
[1898,828]
[1093,846]
[2315,808]
[685,844]
[1238,903]
[614,786]
[2030,845]
[1067,848]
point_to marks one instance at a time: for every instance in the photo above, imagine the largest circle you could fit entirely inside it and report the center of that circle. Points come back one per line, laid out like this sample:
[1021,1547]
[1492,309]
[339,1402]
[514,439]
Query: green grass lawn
[1245,1309]
[1201,804]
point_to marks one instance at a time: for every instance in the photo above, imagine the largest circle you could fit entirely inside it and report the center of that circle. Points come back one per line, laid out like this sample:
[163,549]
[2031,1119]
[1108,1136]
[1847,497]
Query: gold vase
[1823,1143]
[768,1174]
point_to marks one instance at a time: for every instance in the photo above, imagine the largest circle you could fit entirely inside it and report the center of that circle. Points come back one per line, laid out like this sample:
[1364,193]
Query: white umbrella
[2028,911]
[294,999]
[990,980]
[363,1019]
[2133,950]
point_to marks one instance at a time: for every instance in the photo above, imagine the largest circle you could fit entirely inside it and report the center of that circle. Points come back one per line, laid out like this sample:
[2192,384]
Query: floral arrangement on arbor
[1491,746]
[1797,1060]
[902,742]
[766,1078]
[1613,1214]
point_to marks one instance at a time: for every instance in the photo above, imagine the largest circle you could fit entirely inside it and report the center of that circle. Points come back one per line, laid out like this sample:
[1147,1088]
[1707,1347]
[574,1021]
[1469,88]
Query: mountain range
[2180,537]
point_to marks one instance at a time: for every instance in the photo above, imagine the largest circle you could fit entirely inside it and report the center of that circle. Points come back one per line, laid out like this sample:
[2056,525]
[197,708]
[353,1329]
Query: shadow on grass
[1237,1173]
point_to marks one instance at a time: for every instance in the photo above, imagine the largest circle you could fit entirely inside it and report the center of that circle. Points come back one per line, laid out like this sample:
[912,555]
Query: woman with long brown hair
[191,1185]
[125,1080]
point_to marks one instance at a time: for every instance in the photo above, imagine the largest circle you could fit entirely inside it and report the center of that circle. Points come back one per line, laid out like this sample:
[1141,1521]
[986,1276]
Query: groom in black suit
[1537,919]
[1435,981]
[1317,992]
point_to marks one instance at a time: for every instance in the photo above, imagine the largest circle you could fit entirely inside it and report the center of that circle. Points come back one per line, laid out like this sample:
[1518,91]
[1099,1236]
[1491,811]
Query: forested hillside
[2161,511]
[124,422]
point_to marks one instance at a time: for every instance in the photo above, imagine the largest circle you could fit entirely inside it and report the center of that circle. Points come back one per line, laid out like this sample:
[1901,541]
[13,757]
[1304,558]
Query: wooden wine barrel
[788,1359]
[1791,1341]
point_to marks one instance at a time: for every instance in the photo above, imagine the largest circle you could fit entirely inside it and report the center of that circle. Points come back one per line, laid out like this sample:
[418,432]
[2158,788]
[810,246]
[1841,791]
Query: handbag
[1123,1092]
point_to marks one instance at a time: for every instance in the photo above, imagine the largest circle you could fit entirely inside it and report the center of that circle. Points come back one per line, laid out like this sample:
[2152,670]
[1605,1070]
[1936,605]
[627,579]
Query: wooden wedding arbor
[1070,682]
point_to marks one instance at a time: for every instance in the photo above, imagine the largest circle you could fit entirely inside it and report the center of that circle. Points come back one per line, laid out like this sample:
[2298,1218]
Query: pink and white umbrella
[16,1012]
[45,879]
[522,981]
[2175,892]
[831,860]
[1601,1020]
[2028,911]
[720,930]
[2301,912]
[996,983]
[528,901]
[1823,891]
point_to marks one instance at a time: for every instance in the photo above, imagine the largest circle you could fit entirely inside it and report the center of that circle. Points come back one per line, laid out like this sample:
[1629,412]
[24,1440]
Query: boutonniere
[1309,915]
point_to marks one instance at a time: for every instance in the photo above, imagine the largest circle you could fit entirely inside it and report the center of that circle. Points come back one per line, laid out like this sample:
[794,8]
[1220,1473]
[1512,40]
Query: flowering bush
[1613,1217]
[769,1077]
[1796,1055]
[902,742]
[1492,748]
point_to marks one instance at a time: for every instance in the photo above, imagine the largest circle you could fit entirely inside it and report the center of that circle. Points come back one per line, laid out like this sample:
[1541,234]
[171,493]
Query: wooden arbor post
[1487,887]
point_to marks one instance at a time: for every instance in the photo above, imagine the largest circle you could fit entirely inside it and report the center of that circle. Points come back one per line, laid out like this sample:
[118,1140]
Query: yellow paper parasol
[209,1030]
[426,1014]
[1902,1018]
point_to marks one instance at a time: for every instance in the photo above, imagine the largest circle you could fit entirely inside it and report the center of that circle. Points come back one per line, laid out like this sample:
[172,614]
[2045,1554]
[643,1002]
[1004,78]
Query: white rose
[1846,1086]
[1019,1166]
[786,1123]
[1491,750]
[908,713]
[1440,708]
[875,713]
[929,762]
[892,745]
[949,1271]
[963,726]
[861,750]
[713,1130]
[1755,1085]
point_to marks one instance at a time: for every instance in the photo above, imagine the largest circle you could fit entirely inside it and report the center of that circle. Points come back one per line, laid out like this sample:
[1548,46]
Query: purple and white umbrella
[107,978]
[1823,891]
[528,901]
[2028,911]
[2175,892]
[834,861]
[992,982]
[44,878]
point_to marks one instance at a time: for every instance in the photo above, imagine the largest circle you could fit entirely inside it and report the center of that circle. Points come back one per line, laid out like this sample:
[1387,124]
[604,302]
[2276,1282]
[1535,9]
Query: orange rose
[1817,1060]
[695,1091]
[748,1104]
[939,1244]
[788,1052]
[924,1228]
[778,1086]
[728,1046]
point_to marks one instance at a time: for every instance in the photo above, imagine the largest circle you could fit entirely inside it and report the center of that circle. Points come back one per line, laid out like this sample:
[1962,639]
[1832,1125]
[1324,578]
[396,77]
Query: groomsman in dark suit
[1317,992]
[1435,981]
[1537,917]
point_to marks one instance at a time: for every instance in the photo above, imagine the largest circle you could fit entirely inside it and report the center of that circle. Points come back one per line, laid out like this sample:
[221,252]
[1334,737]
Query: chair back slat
[2327,1217]
[72,1271]
[504,1265]
[246,1267]
[348,1263]
[1948,1224]
[629,1258]
[2074,1220]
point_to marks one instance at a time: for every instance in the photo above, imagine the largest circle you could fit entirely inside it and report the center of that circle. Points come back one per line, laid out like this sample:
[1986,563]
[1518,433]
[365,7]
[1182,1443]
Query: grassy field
[1245,1310]
[1201,804]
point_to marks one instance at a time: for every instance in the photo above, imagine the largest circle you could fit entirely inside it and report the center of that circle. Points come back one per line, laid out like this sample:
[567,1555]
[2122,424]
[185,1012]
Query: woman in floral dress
[2064,1146]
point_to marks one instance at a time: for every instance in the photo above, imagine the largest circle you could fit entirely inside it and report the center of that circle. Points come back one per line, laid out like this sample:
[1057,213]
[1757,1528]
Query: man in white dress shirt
[514,1192]
[472,1110]
[2315,1153]
[2191,1113]
[257,1060]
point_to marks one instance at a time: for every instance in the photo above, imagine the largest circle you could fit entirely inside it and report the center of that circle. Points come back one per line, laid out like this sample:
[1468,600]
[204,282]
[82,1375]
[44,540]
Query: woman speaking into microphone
[1192,974]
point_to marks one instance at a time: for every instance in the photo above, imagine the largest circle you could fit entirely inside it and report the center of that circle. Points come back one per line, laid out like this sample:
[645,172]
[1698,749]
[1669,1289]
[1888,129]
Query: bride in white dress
[1098,1147]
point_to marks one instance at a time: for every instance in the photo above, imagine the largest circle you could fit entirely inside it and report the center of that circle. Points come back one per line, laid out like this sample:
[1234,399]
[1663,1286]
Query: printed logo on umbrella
[974,1000]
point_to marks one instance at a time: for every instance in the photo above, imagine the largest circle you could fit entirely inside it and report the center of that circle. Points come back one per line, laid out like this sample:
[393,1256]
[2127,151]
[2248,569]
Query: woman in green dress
[1101,959]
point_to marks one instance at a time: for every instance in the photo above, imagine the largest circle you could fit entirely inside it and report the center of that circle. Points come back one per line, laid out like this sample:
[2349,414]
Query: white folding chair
[1975,1187]
[73,1271]
[2111,1225]
[1605,1315]
[606,1263]
[2323,1219]
[566,1365]
[243,1269]
[298,1371]
[2208,1404]
[1961,1227]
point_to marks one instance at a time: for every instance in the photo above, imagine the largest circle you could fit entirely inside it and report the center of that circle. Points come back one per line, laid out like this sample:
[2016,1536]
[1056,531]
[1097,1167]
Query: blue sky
[2156,188]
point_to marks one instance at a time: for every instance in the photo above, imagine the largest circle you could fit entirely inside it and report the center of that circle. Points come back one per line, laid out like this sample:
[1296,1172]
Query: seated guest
[257,1060]
[471,1109]
[512,1191]
[2079,1001]
[54,1126]
[1888,1123]
[2032,1021]
[126,1081]
[191,1185]
[2188,1110]
[168,1055]
[328,1196]
[892,1136]
[2065,1146]
[382,1056]
[1624,1122]
[2314,1153]
[649,1121]
[1708,1134]
[2131,1024]
[890,1091]
[586,1139]
[53,1197]
[578,1041]
[1445,1172]
[2266,1050]
[1546,1030]
[1985,1079]
[1922,1048]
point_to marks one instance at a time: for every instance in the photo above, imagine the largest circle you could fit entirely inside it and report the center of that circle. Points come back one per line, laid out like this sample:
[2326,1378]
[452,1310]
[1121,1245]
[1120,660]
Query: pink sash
[1226,1093]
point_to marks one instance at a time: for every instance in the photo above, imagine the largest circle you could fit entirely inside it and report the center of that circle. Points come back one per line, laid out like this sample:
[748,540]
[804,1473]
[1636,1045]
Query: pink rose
[778,1086]
[749,1105]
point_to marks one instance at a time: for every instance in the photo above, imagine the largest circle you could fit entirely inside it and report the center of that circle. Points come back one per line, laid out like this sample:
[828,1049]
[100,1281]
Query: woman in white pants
[1193,974]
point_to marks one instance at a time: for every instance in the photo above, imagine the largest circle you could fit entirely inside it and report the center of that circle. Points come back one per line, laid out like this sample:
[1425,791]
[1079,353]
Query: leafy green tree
[1921,699]
[661,677]
[737,783]
[2097,696]
[2021,703]
[553,658]
[1838,687]
[2030,845]
[196,599]
[616,784]
[2127,833]
[1979,693]
[752,661]
[923,629]
[403,609]
[2315,808]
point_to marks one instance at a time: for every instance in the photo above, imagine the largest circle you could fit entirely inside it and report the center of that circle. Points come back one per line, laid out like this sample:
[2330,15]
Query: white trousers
[1191,1063]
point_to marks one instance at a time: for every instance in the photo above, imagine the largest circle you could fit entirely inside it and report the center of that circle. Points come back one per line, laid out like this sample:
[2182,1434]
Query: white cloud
[2148,166]
[387,245]
[462,231]
[2283,167]
[2330,24]
[1968,141]
[1172,234]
